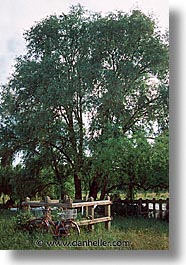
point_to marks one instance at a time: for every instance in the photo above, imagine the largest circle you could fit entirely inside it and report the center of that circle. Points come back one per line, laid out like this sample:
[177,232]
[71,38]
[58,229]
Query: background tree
[86,83]
[130,164]
[132,93]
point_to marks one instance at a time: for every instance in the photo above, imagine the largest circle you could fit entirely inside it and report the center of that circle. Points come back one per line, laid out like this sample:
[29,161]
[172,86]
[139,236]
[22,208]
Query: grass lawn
[125,234]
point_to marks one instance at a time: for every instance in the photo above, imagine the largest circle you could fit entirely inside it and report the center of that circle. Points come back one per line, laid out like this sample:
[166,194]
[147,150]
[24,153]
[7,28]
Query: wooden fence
[147,208]
[87,207]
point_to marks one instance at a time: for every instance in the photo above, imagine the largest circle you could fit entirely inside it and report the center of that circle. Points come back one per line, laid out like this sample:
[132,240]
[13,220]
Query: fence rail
[68,203]
[147,208]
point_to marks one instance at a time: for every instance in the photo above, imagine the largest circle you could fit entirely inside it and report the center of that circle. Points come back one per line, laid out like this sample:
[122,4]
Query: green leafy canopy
[86,80]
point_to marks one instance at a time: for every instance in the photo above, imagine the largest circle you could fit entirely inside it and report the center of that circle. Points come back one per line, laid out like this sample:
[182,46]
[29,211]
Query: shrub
[22,218]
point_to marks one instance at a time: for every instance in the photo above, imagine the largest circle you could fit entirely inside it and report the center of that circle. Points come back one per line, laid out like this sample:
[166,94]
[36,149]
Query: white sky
[16,16]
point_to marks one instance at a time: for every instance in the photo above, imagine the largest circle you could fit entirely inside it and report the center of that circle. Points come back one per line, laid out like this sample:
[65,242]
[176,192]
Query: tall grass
[125,234]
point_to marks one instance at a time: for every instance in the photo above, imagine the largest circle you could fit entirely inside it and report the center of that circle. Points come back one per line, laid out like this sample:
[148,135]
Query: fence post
[147,207]
[86,207]
[140,205]
[47,200]
[69,202]
[65,198]
[154,207]
[107,214]
[167,204]
[167,210]
[27,206]
[91,213]
[160,208]
[83,212]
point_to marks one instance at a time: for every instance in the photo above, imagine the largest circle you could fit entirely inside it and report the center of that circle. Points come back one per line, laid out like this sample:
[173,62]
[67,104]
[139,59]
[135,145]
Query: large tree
[46,97]
[131,93]
[85,78]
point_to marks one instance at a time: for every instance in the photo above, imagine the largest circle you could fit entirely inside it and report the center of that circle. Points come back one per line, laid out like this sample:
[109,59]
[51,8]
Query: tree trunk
[94,188]
[78,190]
[103,193]
[61,191]
[130,192]
[104,188]
[6,157]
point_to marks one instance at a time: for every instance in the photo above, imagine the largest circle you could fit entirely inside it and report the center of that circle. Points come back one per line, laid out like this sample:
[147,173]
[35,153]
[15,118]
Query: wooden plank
[93,203]
[30,202]
[67,205]
[36,203]
[107,214]
[94,221]
[91,213]
[54,201]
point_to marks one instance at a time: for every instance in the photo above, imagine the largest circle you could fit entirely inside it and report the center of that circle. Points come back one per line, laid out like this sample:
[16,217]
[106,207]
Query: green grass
[148,195]
[126,234]
[151,195]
